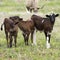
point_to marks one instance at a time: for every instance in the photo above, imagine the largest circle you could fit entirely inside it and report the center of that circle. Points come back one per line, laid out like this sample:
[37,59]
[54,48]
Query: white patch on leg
[48,44]
[42,21]
[34,37]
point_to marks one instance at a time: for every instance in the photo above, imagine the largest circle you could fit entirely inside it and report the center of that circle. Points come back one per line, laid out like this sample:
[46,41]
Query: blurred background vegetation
[19,5]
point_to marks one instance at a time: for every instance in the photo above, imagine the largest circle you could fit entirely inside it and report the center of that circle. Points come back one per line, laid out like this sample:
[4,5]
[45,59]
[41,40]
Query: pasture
[22,52]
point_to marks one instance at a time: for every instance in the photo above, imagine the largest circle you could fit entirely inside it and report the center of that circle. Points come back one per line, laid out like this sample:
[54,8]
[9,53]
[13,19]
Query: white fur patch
[48,44]
[42,21]
[34,37]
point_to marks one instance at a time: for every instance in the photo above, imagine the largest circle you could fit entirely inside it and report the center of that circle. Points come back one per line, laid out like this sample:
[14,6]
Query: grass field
[22,52]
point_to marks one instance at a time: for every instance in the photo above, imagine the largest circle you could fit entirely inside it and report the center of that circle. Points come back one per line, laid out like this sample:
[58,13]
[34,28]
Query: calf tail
[2,26]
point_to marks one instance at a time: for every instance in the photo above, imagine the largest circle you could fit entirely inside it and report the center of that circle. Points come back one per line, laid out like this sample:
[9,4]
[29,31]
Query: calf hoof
[48,46]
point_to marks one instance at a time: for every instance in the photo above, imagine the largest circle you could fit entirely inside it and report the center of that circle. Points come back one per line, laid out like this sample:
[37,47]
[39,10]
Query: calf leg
[15,39]
[26,37]
[11,41]
[48,39]
[7,38]
[34,37]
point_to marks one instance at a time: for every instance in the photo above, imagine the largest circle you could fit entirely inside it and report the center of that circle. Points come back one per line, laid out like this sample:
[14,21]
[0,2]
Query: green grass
[39,52]
[8,6]
[50,6]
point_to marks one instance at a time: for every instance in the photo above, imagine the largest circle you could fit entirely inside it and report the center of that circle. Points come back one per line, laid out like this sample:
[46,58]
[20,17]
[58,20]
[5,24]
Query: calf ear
[20,19]
[47,15]
[56,15]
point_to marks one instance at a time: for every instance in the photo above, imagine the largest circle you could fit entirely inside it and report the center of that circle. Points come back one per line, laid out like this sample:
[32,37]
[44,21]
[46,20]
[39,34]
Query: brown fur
[26,27]
[10,31]
[44,24]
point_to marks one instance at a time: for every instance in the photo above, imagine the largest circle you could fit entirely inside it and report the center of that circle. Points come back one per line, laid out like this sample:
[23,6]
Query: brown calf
[10,31]
[26,27]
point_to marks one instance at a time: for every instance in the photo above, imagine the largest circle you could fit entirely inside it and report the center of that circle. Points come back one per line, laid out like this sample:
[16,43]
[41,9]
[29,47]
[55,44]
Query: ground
[22,52]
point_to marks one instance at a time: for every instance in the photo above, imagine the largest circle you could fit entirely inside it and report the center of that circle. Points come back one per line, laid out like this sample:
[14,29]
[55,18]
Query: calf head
[15,18]
[52,17]
[20,19]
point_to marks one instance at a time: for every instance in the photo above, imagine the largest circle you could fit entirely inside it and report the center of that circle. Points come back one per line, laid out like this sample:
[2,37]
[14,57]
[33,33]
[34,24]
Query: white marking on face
[48,44]
[34,37]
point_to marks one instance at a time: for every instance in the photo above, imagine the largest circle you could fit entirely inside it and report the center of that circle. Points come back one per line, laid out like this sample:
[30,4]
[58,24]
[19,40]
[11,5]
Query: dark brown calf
[45,24]
[10,31]
[15,18]
[26,27]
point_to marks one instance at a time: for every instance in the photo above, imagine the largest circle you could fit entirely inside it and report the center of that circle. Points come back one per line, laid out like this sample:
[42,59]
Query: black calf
[45,24]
